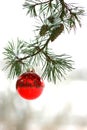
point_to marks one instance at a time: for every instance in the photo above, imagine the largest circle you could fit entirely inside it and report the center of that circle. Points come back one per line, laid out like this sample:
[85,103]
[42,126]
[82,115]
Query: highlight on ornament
[29,85]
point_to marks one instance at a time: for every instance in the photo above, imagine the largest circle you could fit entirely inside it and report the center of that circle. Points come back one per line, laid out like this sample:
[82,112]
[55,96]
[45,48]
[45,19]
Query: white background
[73,91]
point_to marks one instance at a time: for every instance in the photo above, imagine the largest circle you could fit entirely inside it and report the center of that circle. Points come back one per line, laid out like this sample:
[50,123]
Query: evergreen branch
[13,54]
[62,9]
[70,14]
[56,66]
[31,6]
[55,15]
[13,62]
[38,51]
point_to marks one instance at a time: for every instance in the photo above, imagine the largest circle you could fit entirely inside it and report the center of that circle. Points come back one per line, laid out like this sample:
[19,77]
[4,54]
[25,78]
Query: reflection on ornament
[29,85]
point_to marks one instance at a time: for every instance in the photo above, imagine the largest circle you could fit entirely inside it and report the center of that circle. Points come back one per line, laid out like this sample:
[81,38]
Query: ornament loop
[31,70]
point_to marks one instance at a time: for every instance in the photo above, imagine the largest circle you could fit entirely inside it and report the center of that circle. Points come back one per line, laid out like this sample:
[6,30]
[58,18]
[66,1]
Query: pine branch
[57,65]
[38,51]
[53,66]
[30,5]
[55,16]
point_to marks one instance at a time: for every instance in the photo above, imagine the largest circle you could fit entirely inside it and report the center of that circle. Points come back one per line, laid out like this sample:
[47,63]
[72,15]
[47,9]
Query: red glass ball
[29,85]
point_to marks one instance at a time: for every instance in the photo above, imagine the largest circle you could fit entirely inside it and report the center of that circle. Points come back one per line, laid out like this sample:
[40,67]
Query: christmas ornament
[29,85]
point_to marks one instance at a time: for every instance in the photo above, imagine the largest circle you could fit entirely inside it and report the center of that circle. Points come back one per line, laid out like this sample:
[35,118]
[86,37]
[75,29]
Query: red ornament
[29,85]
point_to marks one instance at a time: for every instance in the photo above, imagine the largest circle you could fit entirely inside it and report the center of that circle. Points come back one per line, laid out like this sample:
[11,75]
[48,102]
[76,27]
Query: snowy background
[61,106]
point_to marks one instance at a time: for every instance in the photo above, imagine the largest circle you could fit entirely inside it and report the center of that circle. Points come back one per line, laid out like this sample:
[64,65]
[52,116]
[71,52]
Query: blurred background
[60,107]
